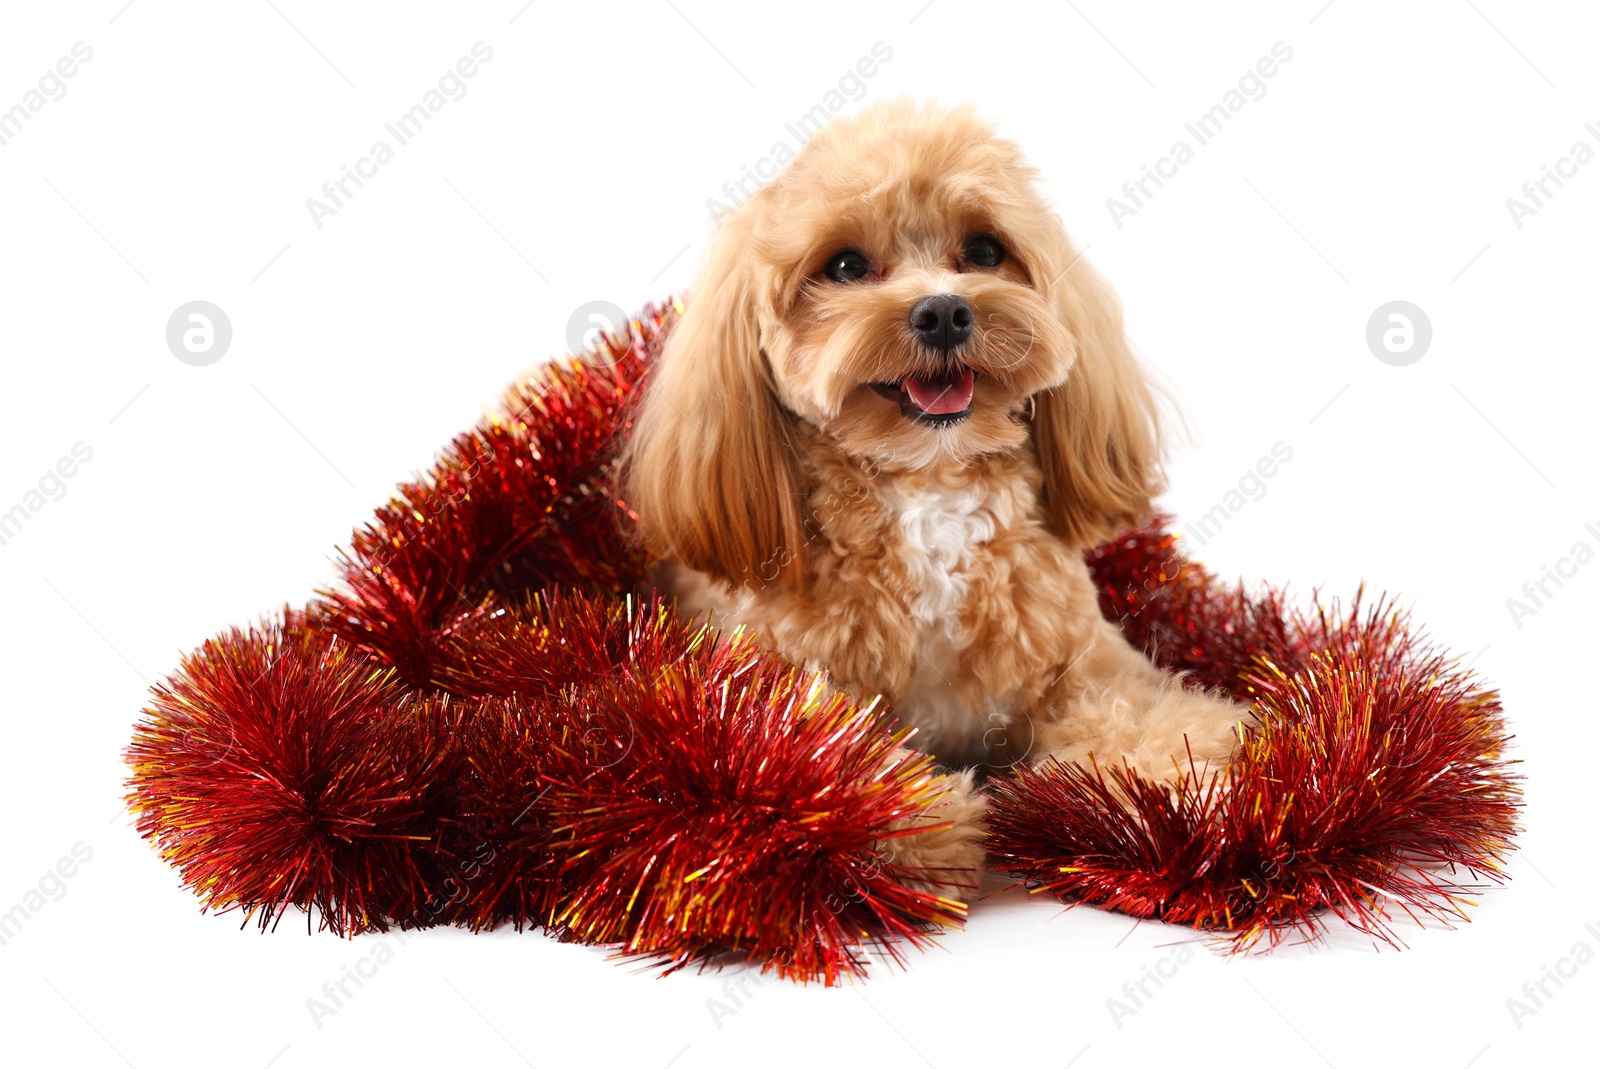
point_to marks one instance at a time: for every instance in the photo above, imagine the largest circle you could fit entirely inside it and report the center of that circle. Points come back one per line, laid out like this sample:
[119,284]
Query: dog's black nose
[942,322]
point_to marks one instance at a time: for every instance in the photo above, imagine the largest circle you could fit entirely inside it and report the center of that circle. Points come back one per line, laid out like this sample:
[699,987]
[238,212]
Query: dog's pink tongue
[941,396]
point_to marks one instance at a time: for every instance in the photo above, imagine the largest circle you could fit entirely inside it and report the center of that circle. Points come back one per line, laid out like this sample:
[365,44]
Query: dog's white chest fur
[940,530]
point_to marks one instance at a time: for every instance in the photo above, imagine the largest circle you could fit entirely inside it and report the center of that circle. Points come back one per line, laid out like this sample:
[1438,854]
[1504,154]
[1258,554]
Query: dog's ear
[711,468]
[1097,434]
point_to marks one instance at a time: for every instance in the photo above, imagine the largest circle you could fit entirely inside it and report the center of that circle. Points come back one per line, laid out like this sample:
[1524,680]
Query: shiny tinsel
[481,724]
[1376,783]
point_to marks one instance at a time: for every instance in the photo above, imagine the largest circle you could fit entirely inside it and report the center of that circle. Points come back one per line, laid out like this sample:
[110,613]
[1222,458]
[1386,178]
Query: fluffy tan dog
[897,410]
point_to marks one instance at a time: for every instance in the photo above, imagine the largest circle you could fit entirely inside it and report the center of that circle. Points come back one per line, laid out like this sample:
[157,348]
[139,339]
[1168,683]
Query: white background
[578,168]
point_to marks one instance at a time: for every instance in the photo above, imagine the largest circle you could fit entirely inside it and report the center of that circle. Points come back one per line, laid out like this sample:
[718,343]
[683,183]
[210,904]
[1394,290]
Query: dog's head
[902,287]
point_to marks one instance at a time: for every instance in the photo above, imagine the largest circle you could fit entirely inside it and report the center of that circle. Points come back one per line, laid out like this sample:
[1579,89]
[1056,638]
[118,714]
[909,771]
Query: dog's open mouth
[942,399]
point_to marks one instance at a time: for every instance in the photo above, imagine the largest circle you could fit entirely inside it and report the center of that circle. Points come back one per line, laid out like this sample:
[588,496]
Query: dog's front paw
[946,861]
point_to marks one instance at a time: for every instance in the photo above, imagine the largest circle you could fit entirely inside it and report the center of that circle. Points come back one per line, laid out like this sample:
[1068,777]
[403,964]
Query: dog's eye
[847,265]
[984,250]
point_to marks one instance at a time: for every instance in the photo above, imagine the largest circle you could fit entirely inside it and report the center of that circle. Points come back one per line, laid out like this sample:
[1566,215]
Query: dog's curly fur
[937,562]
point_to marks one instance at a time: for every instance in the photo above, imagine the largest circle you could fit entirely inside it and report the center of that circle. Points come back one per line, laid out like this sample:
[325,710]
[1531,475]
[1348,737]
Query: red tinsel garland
[280,766]
[1377,770]
[448,737]
[521,503]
